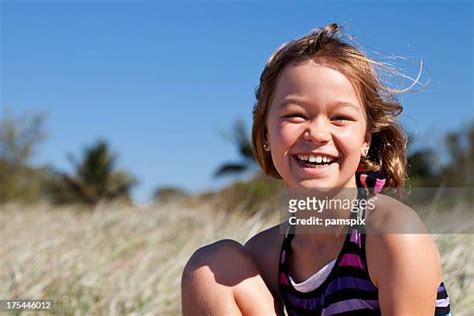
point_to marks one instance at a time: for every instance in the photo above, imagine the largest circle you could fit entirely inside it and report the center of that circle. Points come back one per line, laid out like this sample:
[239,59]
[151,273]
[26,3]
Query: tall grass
[123,260]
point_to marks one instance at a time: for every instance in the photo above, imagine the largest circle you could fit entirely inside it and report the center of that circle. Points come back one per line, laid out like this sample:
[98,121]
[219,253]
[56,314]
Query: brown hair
[387,153]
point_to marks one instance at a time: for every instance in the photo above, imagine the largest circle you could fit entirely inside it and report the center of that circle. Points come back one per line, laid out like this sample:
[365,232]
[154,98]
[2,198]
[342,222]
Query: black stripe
[441,295]
[298,311]
[350,271]
[353,248]
[349,294]
[442,311]
[346,272]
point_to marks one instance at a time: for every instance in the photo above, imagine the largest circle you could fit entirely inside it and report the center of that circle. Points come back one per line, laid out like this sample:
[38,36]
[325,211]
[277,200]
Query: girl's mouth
[317,162]
[315,168]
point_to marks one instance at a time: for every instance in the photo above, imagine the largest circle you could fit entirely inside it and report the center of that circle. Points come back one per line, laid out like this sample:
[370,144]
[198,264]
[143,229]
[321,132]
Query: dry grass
[121,260]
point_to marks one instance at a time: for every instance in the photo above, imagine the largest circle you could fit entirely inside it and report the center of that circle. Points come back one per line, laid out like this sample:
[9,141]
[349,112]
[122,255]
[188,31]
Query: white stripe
[442,302]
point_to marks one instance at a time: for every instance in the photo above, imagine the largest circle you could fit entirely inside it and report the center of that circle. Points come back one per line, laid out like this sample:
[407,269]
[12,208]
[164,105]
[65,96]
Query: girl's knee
[226,260]
[207,281]
[226,268]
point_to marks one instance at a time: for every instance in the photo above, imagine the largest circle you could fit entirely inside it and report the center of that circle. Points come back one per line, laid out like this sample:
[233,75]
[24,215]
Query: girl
[321,117]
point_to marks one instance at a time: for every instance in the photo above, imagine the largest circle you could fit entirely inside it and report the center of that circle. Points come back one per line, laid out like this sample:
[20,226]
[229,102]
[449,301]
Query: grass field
[124,260]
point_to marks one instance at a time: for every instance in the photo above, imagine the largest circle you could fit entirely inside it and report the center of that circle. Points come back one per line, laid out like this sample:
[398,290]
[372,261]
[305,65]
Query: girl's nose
[317,133]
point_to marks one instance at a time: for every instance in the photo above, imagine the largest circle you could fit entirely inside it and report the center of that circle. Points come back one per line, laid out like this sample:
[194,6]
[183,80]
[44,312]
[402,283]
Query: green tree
[94,179]
[20,136]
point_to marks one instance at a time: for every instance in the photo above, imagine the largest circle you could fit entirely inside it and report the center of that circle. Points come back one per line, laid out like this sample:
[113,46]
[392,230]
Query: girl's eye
[294,115]
[341,118]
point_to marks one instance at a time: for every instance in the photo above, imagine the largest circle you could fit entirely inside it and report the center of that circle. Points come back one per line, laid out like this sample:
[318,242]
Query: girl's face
[316,127]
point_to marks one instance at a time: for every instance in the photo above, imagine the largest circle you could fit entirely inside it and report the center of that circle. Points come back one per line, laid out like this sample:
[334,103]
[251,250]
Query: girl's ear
[366,145]
[266,142]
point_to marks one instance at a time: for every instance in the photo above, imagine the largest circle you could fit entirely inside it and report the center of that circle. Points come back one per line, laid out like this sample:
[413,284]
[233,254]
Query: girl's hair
[387,153]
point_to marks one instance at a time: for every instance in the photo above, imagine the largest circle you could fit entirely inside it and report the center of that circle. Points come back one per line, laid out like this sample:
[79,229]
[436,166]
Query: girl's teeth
[315,159]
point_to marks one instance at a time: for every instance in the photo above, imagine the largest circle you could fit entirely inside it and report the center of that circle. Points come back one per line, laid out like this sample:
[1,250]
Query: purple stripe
[349,305]
[283,279]
[349,283]
[350,259]
[306,303]
[355,237]
[336,285]
[283,256]
[379,183]
[441,289]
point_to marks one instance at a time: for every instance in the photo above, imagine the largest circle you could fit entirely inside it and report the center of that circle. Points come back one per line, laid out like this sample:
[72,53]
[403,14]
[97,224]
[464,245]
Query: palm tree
[94,179]
[244,146]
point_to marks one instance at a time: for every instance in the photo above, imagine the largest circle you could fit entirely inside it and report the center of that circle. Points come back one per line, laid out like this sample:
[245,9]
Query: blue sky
[161,80]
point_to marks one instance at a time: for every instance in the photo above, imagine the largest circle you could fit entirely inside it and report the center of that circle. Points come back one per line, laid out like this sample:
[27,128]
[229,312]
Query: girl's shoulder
[387,215]
[398,245]
[265,249]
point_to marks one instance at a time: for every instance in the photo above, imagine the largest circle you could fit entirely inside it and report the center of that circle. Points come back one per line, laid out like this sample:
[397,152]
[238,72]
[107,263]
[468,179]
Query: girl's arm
[405,267]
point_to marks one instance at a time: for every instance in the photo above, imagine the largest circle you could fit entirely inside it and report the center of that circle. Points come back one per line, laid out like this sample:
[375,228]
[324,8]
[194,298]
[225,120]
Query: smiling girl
[321,117]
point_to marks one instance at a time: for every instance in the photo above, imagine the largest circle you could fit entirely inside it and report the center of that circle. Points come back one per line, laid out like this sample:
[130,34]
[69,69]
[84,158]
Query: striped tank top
[347,290]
